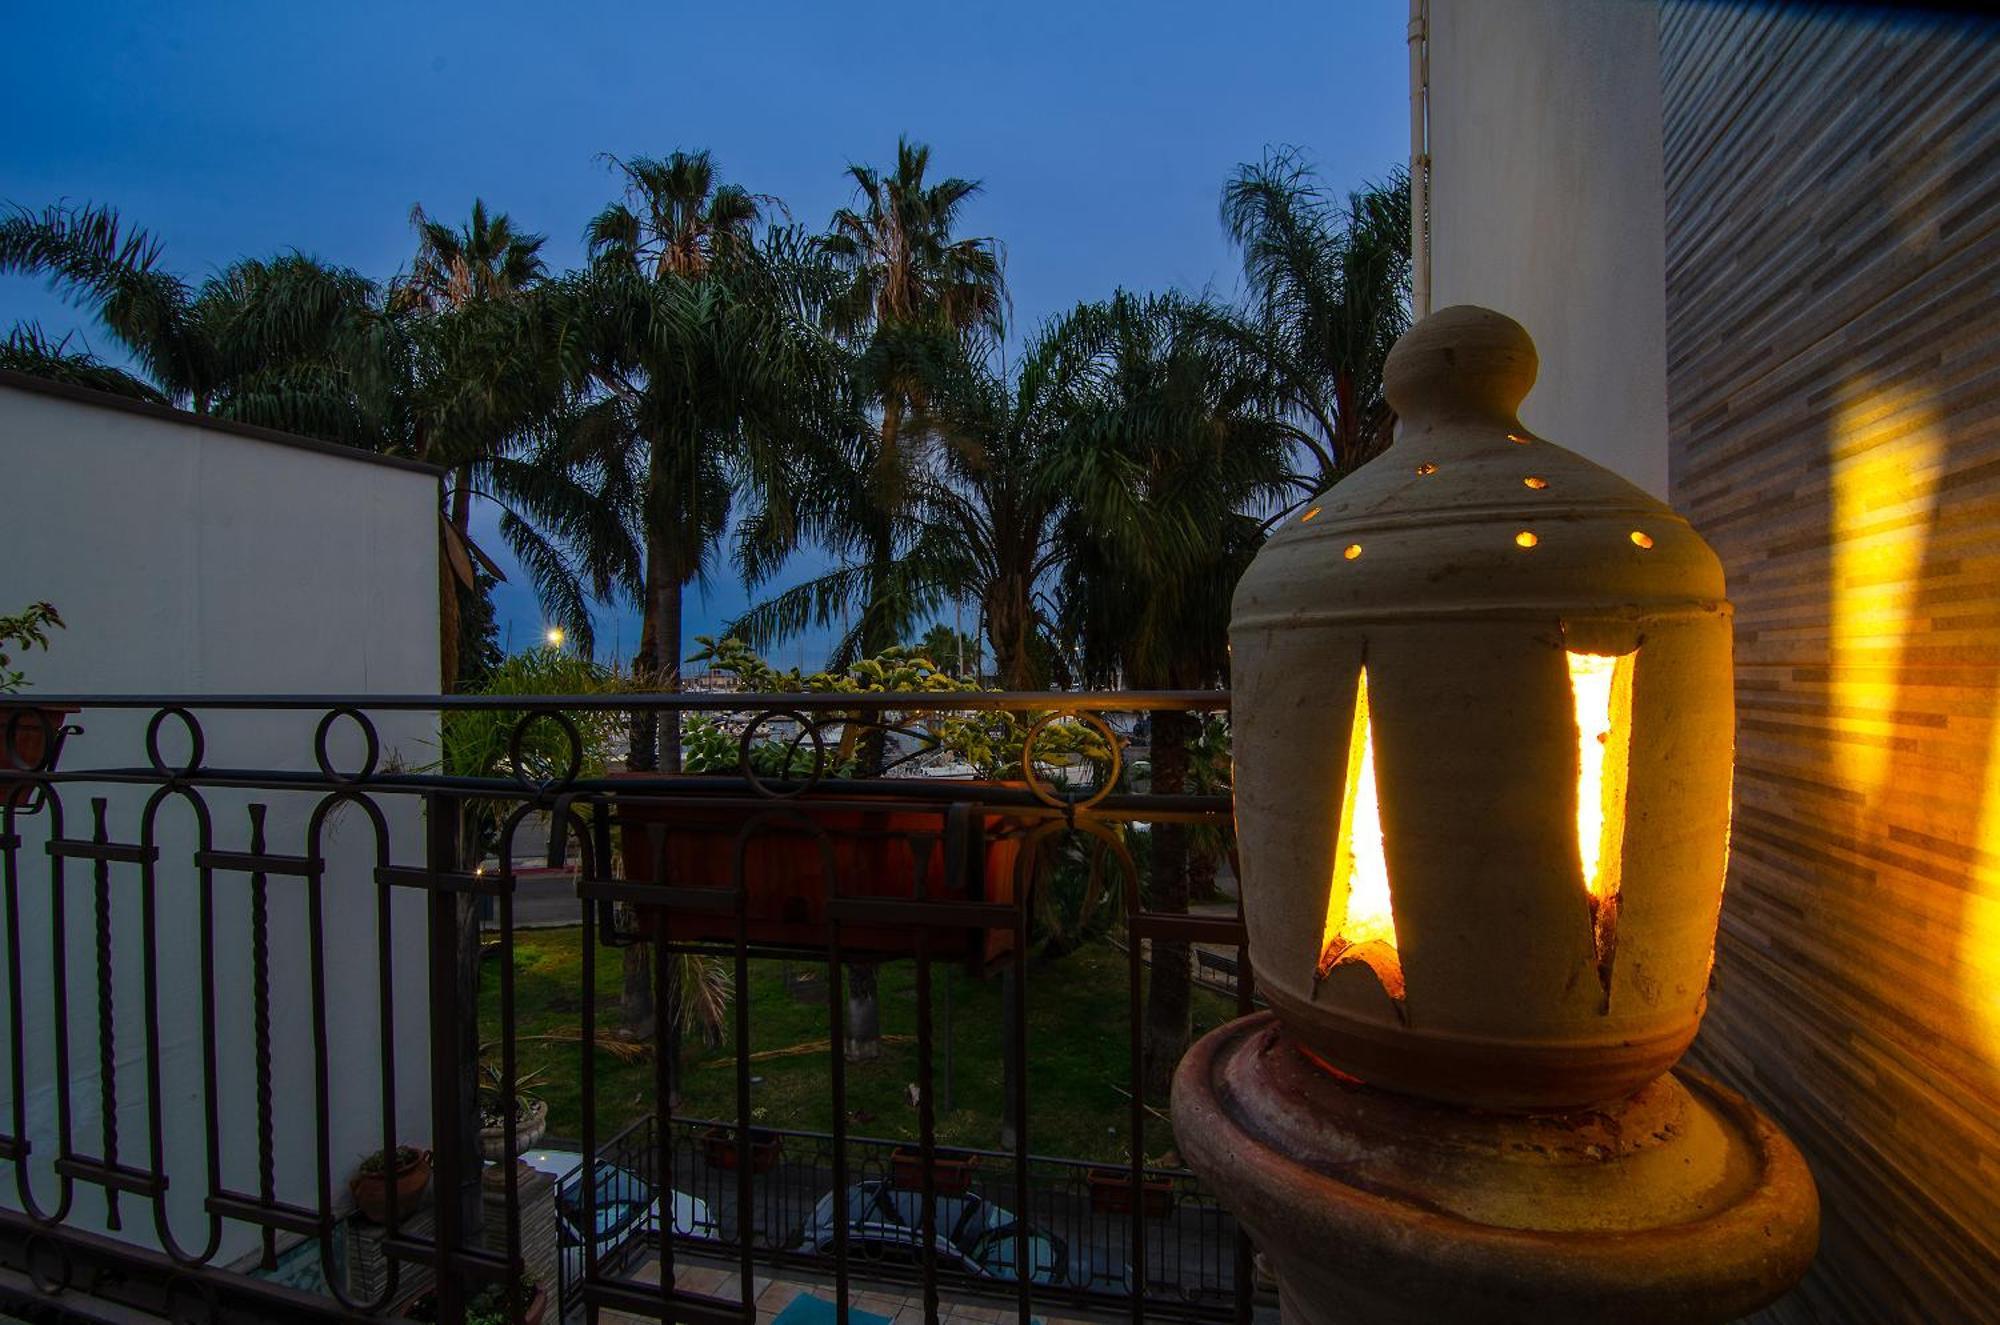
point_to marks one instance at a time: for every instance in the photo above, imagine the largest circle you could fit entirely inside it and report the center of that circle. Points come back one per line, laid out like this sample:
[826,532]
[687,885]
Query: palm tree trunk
[450,607]
[1169,1001]
[1007,632]
[644,755]
[667,661]
[448,619]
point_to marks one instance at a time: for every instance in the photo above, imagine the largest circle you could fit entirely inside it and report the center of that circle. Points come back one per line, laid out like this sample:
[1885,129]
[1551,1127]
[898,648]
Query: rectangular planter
[1111,1194]
[720,1148]
[798,855]
[950,1175]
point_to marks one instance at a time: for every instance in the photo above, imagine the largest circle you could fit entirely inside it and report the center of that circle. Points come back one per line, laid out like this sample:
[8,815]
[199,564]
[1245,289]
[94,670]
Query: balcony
[250,941]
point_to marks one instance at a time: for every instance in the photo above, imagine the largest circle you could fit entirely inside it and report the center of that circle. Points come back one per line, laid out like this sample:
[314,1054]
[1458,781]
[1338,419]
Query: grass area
[1078,1051]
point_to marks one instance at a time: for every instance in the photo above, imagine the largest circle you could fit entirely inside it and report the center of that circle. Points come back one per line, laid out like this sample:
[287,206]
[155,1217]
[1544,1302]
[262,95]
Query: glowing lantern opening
[1601,687]
[1360,921]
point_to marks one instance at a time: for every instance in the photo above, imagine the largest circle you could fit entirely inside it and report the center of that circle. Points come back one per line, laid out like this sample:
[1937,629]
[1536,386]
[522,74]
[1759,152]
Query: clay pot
[31,740]
[371,1190]
[531,1121]
[1548,697]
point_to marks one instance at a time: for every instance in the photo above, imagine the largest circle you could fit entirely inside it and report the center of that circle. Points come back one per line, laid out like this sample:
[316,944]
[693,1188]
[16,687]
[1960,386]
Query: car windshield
[995,1254]
[959,1218]
[622,1197]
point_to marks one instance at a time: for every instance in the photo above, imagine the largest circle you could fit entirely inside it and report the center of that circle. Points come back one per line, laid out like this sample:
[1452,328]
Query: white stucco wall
[188,559]
[1548,204]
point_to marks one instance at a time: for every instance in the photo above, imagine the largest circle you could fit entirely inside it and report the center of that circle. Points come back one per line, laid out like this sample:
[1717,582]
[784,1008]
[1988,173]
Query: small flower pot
[951,1175]
[529,1123]
[1111,1194]
[411,1180]
[720,1149]
[31,740]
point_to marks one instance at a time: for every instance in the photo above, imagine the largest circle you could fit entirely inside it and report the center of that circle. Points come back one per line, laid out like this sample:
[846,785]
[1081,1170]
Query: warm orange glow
[1520,438]
[1979,932]
[1309,516]
[1426,469]
[1601,686]
[1535,481]
[1525,539]
[1640,538]
[1353,551]
[1360,921]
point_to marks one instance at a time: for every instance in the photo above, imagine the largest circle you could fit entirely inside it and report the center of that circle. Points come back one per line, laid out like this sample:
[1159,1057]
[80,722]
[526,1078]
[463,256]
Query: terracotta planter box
[24,745]
[950,1175]
[790,861]
[1111,1194]
[371,1190]
[719,1148]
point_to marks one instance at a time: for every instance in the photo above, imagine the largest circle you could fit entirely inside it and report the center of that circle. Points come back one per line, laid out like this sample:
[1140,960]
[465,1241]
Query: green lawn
[1078,1048]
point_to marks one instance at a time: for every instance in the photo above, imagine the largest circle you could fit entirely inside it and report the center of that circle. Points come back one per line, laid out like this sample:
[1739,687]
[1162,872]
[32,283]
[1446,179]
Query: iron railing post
[454,998]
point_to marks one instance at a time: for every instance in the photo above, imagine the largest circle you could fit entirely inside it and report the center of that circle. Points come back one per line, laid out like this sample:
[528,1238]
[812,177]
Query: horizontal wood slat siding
[1833,343]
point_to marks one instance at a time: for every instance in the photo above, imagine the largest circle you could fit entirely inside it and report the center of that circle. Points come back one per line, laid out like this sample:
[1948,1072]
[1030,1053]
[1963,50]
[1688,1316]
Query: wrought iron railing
[1082,1209]
[242,942]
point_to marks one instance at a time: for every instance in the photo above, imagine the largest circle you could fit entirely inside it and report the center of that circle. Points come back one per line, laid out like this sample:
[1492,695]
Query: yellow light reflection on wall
[1601,687]
[1886,455]
[1360,921]
[1979,930]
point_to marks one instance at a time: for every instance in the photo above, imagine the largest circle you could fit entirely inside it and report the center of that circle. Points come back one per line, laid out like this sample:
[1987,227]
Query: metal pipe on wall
[1420,159]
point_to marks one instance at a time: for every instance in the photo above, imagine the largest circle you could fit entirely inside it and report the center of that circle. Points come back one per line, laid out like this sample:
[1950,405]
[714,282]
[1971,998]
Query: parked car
[885,1225]
[627,1207]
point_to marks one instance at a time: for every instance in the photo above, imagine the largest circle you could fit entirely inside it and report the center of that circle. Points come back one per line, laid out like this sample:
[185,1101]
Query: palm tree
[699,376]
[28,349]
[916,293]
[287,342]
[1170,460]
[1329,285]
[479,383]
[702,380]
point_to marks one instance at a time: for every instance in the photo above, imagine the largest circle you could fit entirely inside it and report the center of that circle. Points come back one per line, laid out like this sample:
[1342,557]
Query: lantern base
[1681,1204]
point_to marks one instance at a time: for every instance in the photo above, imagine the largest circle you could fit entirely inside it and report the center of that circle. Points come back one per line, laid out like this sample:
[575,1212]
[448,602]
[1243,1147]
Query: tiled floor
[775,1294]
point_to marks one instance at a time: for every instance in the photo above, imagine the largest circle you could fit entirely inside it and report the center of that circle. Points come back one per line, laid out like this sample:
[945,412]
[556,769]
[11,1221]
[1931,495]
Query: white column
[1548,204]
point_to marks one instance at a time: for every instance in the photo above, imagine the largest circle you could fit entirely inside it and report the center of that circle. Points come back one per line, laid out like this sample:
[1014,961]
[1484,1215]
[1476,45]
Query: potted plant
[719,1148]
[408,1170]
[867,852]
[1111,1193]
[31,735]
[531,1112]
[489,1305]
[951,1175]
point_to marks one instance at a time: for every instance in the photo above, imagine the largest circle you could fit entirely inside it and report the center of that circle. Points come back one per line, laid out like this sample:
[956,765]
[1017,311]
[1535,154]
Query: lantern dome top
[1463,360]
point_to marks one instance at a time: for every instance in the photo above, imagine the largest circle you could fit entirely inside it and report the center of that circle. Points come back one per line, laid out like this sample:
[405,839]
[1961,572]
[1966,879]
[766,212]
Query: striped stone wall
[1833,344]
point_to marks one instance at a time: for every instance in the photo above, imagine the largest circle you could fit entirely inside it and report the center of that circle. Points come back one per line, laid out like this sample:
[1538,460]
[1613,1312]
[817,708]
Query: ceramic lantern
[1483,746]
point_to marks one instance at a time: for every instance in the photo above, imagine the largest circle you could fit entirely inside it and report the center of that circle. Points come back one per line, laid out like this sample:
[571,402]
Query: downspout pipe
[1420,160]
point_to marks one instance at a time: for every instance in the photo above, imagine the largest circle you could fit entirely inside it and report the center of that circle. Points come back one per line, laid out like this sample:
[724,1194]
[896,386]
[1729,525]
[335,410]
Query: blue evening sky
[1102,131]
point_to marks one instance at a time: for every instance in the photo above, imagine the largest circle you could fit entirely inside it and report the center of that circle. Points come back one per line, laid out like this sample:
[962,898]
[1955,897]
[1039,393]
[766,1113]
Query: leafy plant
[376,1166]
[492,1092]
[27,629]
[991,742]
[487,1307]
